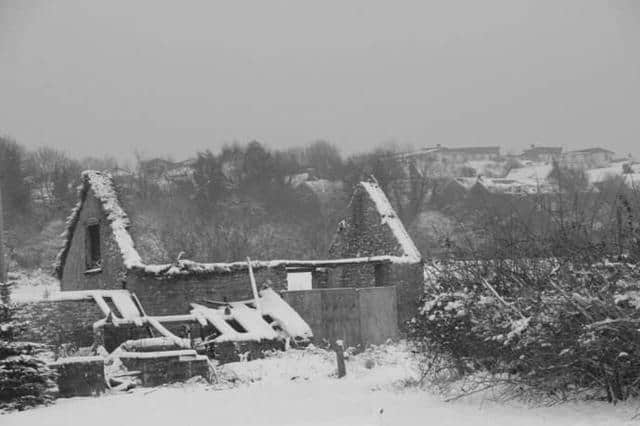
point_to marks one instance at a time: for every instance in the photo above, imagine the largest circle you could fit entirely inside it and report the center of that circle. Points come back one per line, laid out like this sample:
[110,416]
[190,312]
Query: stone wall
[363,232]
[158,368]
[356,275]
[113,336]
[173,295]
[320,278]
[74,274]
[408,279]
[80,376]
[59,322]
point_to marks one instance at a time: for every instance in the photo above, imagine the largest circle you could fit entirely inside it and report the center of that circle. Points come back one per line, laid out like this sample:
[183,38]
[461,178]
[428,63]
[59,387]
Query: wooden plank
[308,304]
[378,314]
[340,315]
[254,287]
[358,316]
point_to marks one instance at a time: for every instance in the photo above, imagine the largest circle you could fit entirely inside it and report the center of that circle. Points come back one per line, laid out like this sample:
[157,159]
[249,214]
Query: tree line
[244,200]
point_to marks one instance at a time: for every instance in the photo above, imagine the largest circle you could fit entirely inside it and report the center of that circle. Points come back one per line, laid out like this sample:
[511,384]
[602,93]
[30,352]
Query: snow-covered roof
[390,218]
[542,150]
[490,168]
[533,174]
[514,187]
[298,179]
[320,186]
[616,169]
[590,151]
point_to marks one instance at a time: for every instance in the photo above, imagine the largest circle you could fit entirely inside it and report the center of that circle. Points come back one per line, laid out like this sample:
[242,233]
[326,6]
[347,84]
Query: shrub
[545,326]
[25,379]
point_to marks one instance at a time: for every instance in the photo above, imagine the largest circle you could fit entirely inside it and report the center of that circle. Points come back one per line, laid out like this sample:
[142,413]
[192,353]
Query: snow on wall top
[189,267]
[391,219]
[102,186]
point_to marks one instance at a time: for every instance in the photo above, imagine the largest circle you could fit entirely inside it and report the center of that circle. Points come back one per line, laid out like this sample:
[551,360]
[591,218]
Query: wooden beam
[254,287]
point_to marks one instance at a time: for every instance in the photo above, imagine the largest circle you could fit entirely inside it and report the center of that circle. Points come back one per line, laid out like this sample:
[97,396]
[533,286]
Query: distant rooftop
[543,150]
[490,150]
[590,151]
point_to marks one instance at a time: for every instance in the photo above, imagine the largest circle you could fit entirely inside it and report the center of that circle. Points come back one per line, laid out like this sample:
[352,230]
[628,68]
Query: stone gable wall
[363,233]
[74,275]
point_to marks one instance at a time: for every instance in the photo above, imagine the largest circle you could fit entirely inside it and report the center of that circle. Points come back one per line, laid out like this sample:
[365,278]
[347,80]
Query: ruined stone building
[371,248]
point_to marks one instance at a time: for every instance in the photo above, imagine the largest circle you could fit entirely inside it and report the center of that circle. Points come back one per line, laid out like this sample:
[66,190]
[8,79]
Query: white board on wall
[298,280]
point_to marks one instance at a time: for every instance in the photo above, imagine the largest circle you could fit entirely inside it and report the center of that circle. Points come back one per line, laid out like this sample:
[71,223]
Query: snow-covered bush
[547,326]
[25,379]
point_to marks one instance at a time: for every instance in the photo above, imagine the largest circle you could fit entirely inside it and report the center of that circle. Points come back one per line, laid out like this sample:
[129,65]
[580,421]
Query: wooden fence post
[339,348]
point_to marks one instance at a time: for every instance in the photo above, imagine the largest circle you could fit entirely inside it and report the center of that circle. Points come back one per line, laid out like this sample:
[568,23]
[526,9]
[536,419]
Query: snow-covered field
[299,388]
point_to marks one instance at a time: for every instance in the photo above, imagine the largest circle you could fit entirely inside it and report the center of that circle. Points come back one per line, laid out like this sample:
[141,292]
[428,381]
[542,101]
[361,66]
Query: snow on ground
[533,174]
[298,388]
[615,170]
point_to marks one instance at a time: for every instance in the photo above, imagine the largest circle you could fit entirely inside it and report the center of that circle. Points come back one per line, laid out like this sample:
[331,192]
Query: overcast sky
[173,77]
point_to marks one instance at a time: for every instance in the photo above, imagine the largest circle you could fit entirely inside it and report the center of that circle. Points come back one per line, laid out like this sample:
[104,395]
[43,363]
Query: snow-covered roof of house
[602,174]
[320,186]
[490,168]
[473,149]
[391,219]
[298,179]
[590,151]
[533,174]
[535,150]
[513,186]
[491,150]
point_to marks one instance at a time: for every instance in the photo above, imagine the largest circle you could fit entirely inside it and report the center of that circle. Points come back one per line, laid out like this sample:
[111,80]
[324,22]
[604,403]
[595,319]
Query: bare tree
[3,269]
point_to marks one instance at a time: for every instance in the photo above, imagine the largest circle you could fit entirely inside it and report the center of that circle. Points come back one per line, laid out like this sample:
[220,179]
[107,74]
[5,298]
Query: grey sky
[172,77]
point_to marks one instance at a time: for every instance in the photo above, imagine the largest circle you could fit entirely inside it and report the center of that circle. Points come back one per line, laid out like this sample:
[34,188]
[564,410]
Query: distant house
[449,162]
[545,154]
[458,155]
[588,158]
[178,173]
[155,167]
[473,153]
[531,174]
[628,172]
